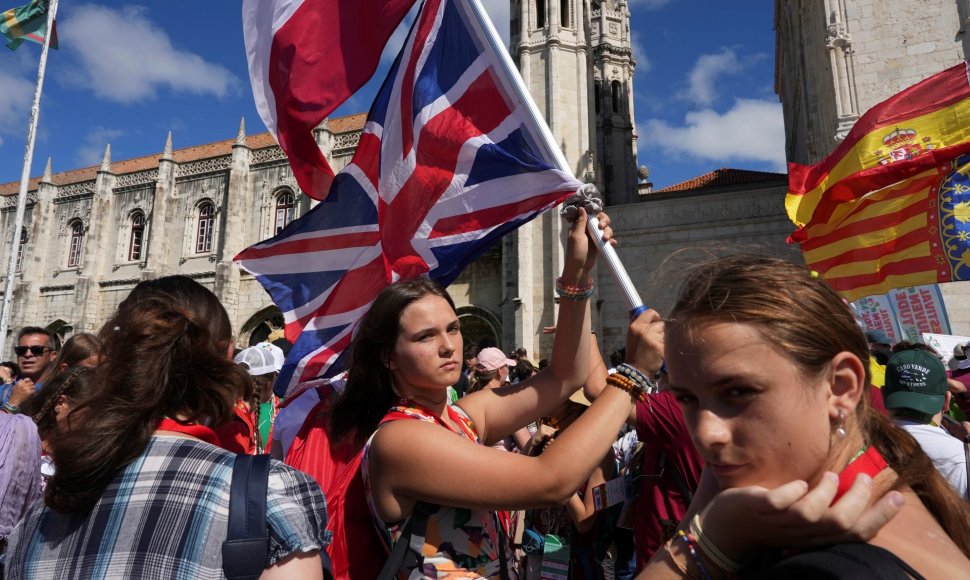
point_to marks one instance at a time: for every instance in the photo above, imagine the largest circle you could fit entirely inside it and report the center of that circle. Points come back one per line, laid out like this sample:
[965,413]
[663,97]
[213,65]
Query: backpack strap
[246,548]
[402,554]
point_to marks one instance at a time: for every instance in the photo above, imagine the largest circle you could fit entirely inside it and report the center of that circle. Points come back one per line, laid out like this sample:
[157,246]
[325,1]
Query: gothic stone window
[615,90]
[137,239]
[540,14]
[21,249]
[203,232]
[284,211]
[77,240]
[564,14]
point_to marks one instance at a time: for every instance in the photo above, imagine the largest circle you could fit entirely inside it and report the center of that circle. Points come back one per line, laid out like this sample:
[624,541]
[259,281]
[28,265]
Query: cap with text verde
[916,380]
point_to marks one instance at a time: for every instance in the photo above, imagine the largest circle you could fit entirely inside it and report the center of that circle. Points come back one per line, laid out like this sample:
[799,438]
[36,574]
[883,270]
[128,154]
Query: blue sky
[127,73]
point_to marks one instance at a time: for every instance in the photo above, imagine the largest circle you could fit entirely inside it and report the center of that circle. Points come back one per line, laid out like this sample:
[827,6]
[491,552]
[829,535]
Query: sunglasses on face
[35,350]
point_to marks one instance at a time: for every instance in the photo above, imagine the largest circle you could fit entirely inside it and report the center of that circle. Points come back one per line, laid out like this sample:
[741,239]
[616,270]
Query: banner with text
[905,314]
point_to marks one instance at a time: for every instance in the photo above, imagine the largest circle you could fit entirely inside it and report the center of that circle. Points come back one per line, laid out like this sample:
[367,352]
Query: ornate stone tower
[575,58]
[550,43]
[613,65]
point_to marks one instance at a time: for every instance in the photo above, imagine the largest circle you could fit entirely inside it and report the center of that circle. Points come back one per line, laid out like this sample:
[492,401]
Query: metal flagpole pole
[25,178]
[549,143]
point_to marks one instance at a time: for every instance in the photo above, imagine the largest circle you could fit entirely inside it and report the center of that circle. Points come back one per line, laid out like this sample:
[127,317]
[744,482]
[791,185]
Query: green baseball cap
[916,380]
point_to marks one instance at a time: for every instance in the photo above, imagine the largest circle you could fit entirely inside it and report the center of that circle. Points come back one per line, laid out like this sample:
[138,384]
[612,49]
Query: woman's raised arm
[499,412]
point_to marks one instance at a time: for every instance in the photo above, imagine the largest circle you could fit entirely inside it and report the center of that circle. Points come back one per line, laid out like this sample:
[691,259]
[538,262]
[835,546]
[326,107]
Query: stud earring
[840,426]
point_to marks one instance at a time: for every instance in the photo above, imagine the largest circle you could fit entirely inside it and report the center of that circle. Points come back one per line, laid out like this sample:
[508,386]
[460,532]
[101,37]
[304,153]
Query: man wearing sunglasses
[34,356]
[35,353]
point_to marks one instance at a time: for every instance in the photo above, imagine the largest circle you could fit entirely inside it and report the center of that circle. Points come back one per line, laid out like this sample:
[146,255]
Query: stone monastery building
[91,234]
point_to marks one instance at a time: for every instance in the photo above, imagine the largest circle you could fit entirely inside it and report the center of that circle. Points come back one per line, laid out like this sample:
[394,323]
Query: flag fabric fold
[306,57]
[890,207]
[448,162]
[27,22]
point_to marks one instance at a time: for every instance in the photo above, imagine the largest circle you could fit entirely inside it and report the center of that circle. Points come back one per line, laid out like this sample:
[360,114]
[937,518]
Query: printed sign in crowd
[905,314]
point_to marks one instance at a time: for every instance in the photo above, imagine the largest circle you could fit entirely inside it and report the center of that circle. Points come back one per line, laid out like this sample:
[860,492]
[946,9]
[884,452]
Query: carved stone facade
[835,59]
[191,210]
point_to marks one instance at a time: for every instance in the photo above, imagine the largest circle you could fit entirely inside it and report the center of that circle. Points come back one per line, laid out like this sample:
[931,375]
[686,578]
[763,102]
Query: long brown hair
[811,324]
[369,392]
[166,355]
[76,349]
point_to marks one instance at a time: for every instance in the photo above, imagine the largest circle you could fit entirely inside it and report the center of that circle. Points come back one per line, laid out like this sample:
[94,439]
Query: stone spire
[167,152]
[48,176]
[241,135]
[106,161]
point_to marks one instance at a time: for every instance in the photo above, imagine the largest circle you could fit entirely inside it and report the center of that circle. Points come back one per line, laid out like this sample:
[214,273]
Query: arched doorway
[61,331]
[479,327]
[265,326]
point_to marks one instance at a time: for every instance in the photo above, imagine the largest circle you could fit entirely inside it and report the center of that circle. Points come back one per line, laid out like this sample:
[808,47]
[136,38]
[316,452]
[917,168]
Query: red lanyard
[193,429]
[870,462]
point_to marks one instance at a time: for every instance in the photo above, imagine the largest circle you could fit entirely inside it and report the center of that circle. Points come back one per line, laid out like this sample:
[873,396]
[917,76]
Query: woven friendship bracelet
[12,409]
[720,559]
[646,384]
[623,383]
[691,542]
[581,292]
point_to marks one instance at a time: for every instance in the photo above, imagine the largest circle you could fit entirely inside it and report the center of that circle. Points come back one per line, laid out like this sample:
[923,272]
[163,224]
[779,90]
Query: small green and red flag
[27,22]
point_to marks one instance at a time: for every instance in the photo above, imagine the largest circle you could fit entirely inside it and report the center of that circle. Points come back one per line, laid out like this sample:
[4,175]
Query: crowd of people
[755,430]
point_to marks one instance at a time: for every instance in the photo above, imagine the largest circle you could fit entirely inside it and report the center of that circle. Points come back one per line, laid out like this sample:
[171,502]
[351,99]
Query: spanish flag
[27,22]
[890,207]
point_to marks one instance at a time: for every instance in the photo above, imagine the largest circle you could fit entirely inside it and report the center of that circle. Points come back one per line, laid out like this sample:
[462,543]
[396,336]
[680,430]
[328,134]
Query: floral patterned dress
[456,543]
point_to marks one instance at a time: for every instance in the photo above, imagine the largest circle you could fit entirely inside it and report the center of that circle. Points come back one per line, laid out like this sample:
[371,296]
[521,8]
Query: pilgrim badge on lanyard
[614,491]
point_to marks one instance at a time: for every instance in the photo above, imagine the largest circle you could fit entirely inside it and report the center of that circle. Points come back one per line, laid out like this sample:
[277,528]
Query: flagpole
[25,177]
[616,267]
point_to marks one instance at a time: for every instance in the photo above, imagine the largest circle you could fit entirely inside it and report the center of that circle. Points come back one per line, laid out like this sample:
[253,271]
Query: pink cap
[492,358]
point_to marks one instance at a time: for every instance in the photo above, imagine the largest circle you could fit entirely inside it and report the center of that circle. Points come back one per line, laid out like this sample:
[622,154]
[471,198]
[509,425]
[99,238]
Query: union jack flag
[448,162]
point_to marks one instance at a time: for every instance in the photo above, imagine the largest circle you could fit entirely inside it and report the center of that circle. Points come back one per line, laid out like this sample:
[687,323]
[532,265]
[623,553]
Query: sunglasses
[35,350]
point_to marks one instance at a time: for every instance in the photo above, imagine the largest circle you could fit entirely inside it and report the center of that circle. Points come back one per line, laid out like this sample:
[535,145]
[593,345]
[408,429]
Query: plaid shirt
[164,516]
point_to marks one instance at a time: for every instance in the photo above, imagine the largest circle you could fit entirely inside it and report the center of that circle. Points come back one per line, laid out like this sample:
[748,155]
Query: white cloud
[752,130]
[91,151]
[703,76]
[15,97]
[643,63]
[124,57]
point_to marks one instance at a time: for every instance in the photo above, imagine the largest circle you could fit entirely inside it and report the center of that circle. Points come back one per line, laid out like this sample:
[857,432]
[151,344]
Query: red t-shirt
[663,432]
[236,434]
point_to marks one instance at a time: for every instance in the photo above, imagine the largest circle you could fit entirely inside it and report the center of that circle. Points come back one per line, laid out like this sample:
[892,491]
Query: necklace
[868,460]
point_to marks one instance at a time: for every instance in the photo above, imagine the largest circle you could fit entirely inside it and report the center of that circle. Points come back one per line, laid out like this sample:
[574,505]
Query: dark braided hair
[74,383]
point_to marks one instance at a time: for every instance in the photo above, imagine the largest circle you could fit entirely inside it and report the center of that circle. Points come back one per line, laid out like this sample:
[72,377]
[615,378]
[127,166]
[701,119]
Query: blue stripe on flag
[308,342]
[453,258]
[448,59]
[290,291]
[513,156]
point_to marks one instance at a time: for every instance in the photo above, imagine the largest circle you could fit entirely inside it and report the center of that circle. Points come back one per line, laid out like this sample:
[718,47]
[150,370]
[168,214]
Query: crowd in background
[757,400]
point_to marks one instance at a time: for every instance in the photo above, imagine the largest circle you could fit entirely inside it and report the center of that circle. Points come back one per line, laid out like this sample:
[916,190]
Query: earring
[840,425]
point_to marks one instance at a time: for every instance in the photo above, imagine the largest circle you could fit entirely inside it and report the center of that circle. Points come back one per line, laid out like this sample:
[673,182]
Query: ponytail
[165,356]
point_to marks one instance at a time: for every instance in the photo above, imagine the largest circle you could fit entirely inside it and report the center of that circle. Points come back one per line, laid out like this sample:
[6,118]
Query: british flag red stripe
[448,163]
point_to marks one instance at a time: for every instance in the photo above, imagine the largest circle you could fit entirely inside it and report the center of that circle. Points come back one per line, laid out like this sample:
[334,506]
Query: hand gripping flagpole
[25,178]
[584,196]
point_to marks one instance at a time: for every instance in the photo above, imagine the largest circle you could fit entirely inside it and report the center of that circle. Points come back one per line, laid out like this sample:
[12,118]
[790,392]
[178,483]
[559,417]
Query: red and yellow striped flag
[890,207]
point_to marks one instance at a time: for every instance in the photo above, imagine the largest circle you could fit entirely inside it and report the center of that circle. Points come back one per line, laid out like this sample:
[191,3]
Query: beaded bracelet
[691,542]
[720,559]
[623,383]
[682,567]
[12,409]
[581,292]
[646,384]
